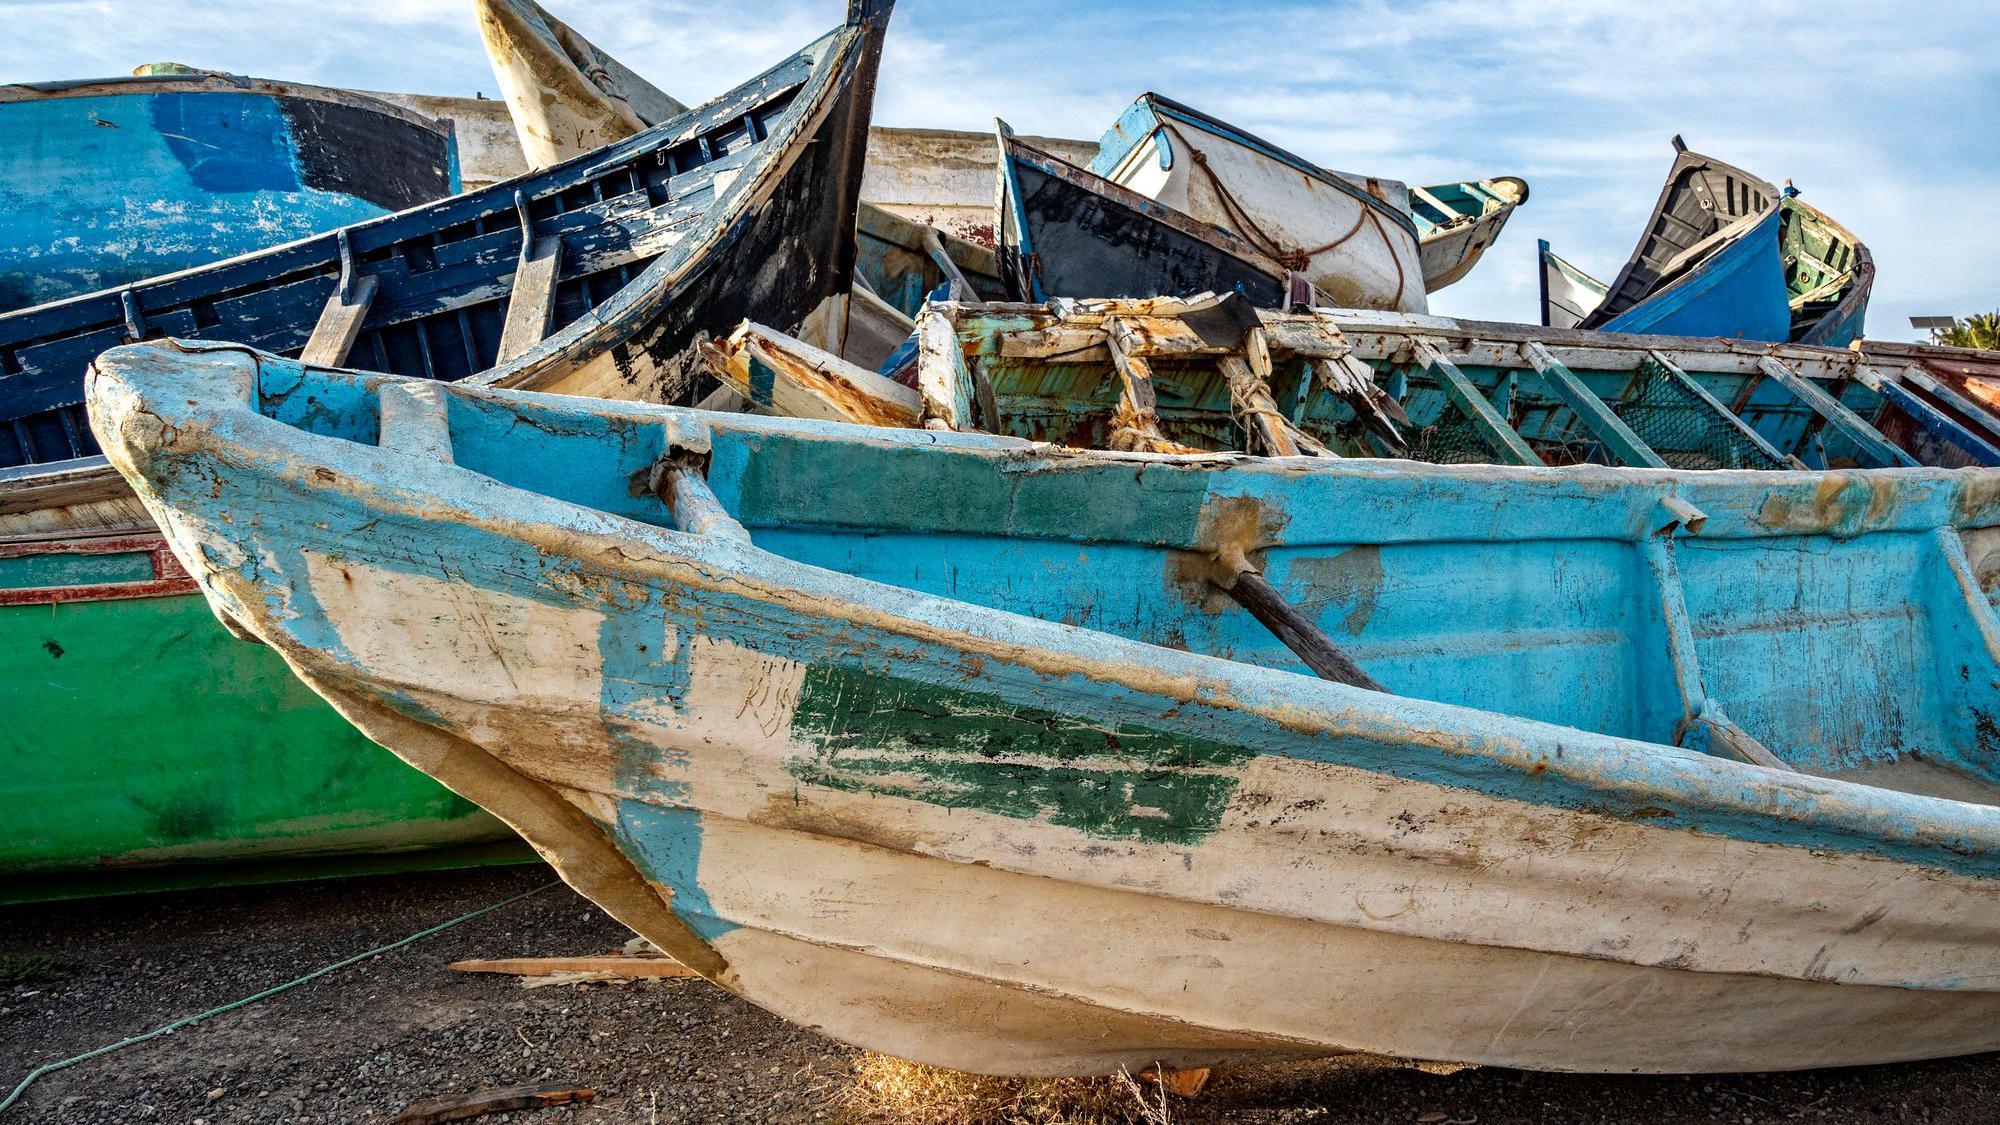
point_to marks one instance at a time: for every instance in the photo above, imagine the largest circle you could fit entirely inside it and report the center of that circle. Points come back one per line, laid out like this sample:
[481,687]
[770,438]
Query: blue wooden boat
[598,275]
[1007,758]
[110,181]
[1725,254]
[1196,375]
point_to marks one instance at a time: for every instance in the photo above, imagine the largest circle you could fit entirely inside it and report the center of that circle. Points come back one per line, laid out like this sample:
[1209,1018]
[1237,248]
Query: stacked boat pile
[1114,626]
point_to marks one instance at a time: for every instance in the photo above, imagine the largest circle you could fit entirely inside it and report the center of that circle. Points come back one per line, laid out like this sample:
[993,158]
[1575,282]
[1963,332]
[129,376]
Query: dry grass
[889,1091]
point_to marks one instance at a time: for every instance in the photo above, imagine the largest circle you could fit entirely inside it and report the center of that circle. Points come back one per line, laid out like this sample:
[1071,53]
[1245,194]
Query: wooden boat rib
[1456,223]
[1352,236]
[1072,823]
[110,181]
[632,255]
[1365,384]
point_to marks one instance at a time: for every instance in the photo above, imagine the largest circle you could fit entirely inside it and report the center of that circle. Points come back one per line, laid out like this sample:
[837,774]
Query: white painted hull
[1375,264]
[1449,253]
[1333,910]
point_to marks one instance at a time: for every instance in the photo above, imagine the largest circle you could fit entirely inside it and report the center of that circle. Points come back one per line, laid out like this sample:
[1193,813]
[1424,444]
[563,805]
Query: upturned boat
[1351,236]
[1457,223]
[960,747]
[1213,374]
[110,181]
[1724,254]
[597,275]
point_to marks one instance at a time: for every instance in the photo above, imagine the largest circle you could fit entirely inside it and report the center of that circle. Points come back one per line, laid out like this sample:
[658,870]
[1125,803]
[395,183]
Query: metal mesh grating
[1683,428]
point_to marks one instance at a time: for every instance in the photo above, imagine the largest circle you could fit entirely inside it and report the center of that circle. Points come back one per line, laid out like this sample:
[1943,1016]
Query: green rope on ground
[50,1068]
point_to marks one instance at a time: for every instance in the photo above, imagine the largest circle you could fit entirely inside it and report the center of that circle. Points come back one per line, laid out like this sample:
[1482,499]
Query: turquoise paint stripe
[34,572]
[665,844]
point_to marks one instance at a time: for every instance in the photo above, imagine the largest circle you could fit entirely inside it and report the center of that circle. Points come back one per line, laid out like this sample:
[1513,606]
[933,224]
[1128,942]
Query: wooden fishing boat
[1199,375]
[1352,236]
[1724,254]
[1067,232]
[1456,223]
[598,275]
[109,181]
[145,748]
[955,747]
[488,150]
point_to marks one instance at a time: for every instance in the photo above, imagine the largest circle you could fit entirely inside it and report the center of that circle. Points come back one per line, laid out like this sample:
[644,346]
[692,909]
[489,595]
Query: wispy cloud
[1882,113]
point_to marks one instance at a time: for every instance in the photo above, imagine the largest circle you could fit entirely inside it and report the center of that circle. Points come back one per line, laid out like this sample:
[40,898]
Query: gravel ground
[363,1043]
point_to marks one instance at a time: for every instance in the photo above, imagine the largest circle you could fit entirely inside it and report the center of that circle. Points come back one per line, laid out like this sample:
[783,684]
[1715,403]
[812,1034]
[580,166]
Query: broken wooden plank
[942,379]
[479,1103]
[1592,411]
[1847,422]
[533,300]
[1505,441]
[1136,426]
[789,377]
[339,324]
[618,965]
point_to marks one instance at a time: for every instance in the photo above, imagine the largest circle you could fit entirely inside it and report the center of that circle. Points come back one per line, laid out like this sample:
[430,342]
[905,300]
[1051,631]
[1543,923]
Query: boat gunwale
[217,82]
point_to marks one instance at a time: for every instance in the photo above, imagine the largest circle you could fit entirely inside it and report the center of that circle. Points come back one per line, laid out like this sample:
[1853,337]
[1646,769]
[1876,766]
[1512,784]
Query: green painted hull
[144,747]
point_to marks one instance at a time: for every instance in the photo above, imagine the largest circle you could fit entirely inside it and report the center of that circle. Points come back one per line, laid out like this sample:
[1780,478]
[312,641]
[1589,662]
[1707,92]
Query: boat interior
[1635,407]
[1438,208]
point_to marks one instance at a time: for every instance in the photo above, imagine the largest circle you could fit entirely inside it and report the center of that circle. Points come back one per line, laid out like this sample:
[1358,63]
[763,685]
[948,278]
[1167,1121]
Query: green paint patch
[967,749]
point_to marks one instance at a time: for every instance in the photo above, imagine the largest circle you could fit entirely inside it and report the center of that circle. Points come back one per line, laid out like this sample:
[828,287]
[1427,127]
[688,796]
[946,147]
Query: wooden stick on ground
[615,966]
[479,1103]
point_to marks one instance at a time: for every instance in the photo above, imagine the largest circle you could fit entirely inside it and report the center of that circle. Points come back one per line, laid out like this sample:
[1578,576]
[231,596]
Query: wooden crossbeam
[340,323]
[414,420]
[533,300]
[1851,425]
[1512,448]
[1593,411]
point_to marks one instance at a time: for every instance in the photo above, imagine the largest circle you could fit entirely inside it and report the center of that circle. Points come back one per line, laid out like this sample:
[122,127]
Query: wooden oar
[1247,587]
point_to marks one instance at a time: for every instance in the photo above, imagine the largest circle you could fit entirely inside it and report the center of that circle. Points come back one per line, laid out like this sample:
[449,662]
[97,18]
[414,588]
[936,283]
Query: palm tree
[1980,331]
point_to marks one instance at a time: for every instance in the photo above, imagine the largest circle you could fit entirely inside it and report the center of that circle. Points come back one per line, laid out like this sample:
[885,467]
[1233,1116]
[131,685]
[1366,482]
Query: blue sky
[1885,115]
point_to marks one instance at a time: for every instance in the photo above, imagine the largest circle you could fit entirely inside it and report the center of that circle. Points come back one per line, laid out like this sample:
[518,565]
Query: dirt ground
[361,1044]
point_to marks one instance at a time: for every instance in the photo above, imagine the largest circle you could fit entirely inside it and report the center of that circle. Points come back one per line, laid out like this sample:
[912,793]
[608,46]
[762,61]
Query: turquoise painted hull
[843,684]
[106,184]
